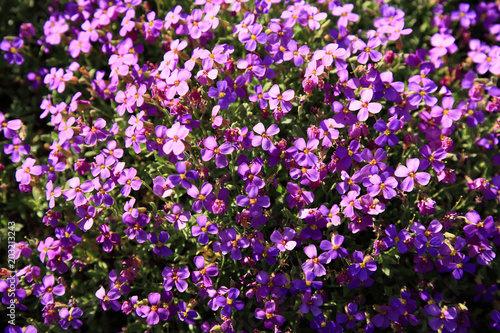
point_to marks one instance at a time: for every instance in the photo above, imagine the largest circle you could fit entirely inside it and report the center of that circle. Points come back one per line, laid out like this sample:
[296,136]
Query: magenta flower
[364,106]
[162,187]
[349,202]
[108,238]
[211,149]
[410,172]
[95,133]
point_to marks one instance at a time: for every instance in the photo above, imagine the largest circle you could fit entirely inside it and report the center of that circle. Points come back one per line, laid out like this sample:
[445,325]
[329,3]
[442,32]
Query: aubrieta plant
[253,166]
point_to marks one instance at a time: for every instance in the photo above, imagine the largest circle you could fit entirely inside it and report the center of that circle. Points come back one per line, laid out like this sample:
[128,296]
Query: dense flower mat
[235,165]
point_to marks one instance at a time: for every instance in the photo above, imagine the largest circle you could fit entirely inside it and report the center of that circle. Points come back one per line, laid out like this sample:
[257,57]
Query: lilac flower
[46,290]
[52,193]
[77,190]
[211,149]
[314,263]
[286,241]
[203,229]
[9,128]
[28,168]
[230,302]
[345,14]
[311,16]
[69,317]
[283,100]
[364,106]
[297,196]
[162,187]
[447,114]
[253,36]
[204,197]
[410,172]
[176,134]
[87,214]
[263,137]
[463,14]
[362,266]
[130,181]
[175,277]
[12,48]
[109,299]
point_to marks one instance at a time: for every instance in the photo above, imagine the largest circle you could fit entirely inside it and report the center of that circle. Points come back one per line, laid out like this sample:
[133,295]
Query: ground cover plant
[250,166]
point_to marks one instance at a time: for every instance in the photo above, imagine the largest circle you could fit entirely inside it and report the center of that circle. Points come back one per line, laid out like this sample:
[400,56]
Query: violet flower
[410,172]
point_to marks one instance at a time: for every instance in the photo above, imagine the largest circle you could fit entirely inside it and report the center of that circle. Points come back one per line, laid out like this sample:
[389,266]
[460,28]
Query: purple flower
[108,238]
[349,202]
[351,317]
[231,241]
[205,271]
[383,183]
[77,190]
[410,172]
[109,299]
[135,226]
[475,225]
[130,181]
[16,149]
[311,303]
[334,248]
[463,14]
[362,266]
[444,318]
[282,100]
[69,317]
[264,136]
[186,315]
[447,113]
[223,93]
[155,311]
[422,92]
[204,197]
[204,228]
[47,290]
[95,133]
[159,241]
[304,155]
[184,176]
[271,318]
[175,277]
[367,50]
[387,132]
[394,237]
[253,200]
[229,302]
